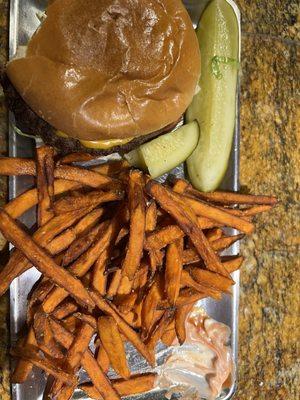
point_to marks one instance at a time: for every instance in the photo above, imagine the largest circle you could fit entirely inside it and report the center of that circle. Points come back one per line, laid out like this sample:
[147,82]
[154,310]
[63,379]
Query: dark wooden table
[269,303]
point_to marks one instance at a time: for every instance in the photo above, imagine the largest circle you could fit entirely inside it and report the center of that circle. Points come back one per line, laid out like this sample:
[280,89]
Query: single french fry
[180,319]
[162,237]
[41,260]
[88,221]
[31,353]
[169,336]
[37,296]
[134,250]
[151,217]
[233,264]
[85,200]
[88,362]
[188,281]
[25,201]
[125,303]
[180,186]
[187,222]
[189,296]
[206,223]
[103,359]
[214,234]
[130,334]
[87,318]
[82,244]
[99,280]
[114,284]
[73,358]
[151,300]
[211,279]
[203,209]
[89,389]
[141,276]
[24,367]
[65,309]
[158,330]
[61,242]
[113,344]
[231,198]
[17,166]
[137,384]
[44,335]
[173,270]
[76,157]
[45,183]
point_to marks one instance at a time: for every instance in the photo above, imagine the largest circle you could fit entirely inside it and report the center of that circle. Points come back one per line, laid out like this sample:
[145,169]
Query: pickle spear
[164,153]
[214,107]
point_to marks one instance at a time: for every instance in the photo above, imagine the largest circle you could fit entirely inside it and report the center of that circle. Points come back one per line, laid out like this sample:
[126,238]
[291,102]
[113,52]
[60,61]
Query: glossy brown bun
[101,69]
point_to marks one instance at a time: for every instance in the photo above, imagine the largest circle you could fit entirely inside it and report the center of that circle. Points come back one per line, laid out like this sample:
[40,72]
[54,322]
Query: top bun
[107,69]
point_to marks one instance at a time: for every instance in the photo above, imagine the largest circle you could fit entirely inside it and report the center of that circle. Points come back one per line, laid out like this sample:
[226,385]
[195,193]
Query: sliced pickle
[164,153]
[214,107]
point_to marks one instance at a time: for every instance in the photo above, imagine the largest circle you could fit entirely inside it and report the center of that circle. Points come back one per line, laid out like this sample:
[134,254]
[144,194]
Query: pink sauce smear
[201,367]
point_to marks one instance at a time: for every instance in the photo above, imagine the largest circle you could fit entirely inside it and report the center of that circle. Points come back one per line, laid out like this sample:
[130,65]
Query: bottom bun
[31,124]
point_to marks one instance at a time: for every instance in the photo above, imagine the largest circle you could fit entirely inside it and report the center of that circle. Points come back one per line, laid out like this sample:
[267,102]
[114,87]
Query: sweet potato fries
[123,259]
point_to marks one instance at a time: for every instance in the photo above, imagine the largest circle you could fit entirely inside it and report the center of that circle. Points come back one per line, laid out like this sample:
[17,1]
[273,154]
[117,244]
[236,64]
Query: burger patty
[30,123]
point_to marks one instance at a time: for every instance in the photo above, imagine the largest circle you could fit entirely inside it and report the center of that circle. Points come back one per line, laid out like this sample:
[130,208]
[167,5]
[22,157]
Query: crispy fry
[151,217]
[189,296]
[41,260]
[87,318]
[82,244]
[89,221]
[85,200]
[130,334]
[73,359]
[102,359]
[141,276]
[17,166]
[210,279]
[162,237]
[49,365]
[113,344]
[186,220]
[203,209]
[76,157]
[65,309]
[233,263]
[158,331]
[180,186]
[214,234]
[152,299]
[169,336]
[45,183]
[99,280]
[188,281]
[134,250]
[125,303]
[44,335]
[180,318]
[24,367]
[114,284]
[89,389]
[88,362]
[135,385]
[37,296]
[232,198]
[173,270]
[25,201]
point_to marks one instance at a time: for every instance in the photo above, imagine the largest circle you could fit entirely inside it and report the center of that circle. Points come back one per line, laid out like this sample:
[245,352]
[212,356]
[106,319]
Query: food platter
[24,19]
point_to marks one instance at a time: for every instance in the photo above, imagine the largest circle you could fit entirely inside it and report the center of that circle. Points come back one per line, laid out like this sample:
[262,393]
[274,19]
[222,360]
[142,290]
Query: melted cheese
[99,144]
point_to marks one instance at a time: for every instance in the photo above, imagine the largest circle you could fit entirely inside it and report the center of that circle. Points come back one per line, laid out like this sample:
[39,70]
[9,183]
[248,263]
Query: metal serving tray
[23,22]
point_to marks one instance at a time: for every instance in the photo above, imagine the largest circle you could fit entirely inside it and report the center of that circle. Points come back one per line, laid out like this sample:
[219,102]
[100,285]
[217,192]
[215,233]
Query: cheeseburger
[105,75]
